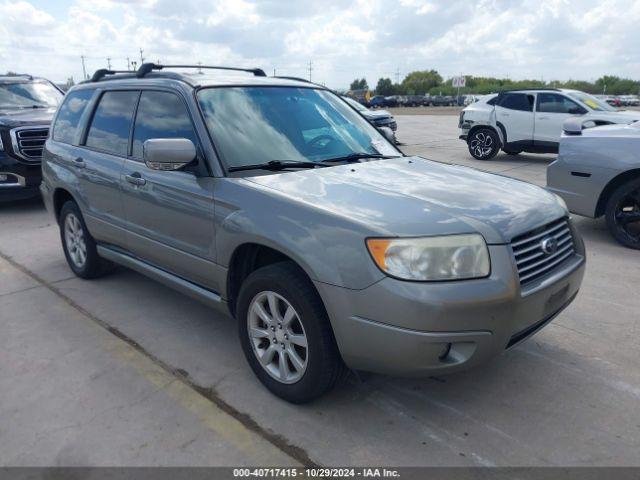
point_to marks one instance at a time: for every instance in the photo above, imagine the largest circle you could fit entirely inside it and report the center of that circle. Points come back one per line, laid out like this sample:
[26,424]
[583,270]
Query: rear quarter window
[66,127]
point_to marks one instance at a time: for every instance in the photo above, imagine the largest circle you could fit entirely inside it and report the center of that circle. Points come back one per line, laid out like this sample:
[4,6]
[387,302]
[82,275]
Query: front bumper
[412,328]
[22,179]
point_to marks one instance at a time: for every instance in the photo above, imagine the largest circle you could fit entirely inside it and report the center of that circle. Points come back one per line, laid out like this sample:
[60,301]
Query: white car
[530,120]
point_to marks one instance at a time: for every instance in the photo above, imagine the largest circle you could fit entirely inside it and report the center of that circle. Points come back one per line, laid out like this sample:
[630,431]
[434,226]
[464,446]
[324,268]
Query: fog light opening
[445,351]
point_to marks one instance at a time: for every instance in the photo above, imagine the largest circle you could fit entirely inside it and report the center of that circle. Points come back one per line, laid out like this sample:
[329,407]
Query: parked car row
[379,101]
[621,101]
[275,201]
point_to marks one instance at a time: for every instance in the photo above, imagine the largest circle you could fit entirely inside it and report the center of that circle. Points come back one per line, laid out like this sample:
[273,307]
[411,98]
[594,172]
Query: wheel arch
[612,186]
[60,197]
[247,258]
[497,131]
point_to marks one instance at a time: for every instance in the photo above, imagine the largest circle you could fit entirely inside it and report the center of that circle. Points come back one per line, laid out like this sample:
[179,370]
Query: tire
[483,144]
[78,245]
[512,152]
[622,214]
[319,365]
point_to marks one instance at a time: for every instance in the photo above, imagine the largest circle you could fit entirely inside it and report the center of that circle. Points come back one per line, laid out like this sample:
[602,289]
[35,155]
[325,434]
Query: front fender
[329,248]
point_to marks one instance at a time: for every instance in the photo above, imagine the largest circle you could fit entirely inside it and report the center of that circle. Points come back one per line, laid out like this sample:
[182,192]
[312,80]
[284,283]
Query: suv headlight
[450,257]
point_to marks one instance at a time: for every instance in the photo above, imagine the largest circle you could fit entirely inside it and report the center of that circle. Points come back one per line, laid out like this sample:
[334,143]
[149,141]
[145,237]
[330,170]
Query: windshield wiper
[356,156]
[275,165]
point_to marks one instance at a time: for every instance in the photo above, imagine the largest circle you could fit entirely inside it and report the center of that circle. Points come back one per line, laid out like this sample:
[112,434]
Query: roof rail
[146,68]
[27,75]
[528,88]
[103,72]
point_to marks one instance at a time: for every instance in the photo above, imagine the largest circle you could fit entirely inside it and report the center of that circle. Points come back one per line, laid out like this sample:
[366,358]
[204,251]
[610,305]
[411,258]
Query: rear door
[514,111]
[169,214]
[99,164]
[552,109]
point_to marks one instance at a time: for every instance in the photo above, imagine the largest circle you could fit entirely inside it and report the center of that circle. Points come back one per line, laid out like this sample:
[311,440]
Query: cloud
[345,39]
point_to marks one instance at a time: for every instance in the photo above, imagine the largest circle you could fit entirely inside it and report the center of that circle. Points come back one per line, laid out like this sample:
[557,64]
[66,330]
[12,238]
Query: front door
[514,111]
[169,214]
[552,109]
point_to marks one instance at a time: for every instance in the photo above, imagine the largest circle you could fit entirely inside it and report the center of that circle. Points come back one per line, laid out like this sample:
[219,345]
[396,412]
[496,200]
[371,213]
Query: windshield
[262,124]
[29,94]
[592,102]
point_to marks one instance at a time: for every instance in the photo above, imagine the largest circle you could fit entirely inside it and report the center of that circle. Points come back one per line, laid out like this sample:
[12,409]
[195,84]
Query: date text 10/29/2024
[316,472]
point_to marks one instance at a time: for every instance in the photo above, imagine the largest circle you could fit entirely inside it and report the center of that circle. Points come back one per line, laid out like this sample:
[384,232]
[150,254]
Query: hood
[617,130]
[26,116]
[412,196]
[620,116]
[376,114]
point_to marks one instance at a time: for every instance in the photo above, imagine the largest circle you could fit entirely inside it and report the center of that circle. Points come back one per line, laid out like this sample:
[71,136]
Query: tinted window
[517,101]
[161,115]
[71,111]
[112,122]
[554,103]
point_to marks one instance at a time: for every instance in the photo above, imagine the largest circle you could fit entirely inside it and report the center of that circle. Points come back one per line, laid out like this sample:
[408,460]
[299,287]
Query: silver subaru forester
[274,200]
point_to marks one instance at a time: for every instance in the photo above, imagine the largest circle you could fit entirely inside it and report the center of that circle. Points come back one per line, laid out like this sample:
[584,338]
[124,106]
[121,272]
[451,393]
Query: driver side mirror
[168,153]
[388,134]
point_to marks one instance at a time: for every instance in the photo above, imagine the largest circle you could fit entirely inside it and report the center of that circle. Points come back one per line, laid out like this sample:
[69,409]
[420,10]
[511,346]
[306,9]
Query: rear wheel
[78,244]
[286,335]
[623,214]
[483,144]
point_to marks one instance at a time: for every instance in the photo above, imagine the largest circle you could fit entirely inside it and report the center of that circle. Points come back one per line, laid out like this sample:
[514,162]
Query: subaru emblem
[549,245]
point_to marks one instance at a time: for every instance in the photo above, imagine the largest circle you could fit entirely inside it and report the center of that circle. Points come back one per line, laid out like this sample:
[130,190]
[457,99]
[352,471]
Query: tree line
[431,82]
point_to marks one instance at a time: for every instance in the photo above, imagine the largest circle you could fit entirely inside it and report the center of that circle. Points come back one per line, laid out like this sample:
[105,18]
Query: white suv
[530,120]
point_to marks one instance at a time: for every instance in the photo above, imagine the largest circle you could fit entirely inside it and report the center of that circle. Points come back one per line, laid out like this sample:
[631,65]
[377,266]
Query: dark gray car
[274,201]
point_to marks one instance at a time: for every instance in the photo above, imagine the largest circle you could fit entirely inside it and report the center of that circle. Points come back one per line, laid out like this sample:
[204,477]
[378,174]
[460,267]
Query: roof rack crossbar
[103,72]
[146,68]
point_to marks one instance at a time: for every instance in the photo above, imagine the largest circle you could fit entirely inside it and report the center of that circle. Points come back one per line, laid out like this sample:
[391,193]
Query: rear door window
[517,101]
[111,122]
[161,115]
[66,127]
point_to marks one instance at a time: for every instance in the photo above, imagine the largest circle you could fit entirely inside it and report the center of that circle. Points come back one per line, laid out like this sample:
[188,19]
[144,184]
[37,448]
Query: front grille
[532,260]
[28,142]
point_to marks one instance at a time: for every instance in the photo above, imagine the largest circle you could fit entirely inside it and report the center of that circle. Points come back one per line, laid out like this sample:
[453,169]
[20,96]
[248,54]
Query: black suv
[27,105]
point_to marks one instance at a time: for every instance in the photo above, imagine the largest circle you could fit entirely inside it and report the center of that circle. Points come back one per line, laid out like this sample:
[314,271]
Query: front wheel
[623,214]
[286,335]
[483,144]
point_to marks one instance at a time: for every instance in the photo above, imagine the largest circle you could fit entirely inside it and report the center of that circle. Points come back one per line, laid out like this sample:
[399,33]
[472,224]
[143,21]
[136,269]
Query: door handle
[79,163]
[505,114]
[135,179]
[543,118]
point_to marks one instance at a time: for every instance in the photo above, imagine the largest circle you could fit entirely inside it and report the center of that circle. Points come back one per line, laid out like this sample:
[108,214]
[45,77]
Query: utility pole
[128,64]
[274,72]
[109,63]
[310,69]
[141,57]
[84,70]
[134,64]
[398,76]
[199,65]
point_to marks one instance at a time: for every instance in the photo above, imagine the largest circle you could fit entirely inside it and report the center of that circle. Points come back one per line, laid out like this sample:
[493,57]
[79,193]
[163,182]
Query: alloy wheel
[481,144]
[277,337]
[74,240]
[627,216]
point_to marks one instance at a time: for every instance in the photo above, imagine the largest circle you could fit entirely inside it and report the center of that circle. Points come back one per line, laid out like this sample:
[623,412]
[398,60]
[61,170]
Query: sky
[343,39]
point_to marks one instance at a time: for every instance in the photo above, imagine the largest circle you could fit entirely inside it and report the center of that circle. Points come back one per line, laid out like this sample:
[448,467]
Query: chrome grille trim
[28,142]
[531,261]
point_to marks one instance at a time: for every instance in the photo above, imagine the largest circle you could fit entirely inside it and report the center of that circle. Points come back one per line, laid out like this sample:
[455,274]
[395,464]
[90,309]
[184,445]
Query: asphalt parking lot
[124,371]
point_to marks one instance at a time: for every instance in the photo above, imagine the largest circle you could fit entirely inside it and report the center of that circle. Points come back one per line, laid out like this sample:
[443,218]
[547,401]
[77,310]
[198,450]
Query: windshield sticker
[591,103]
